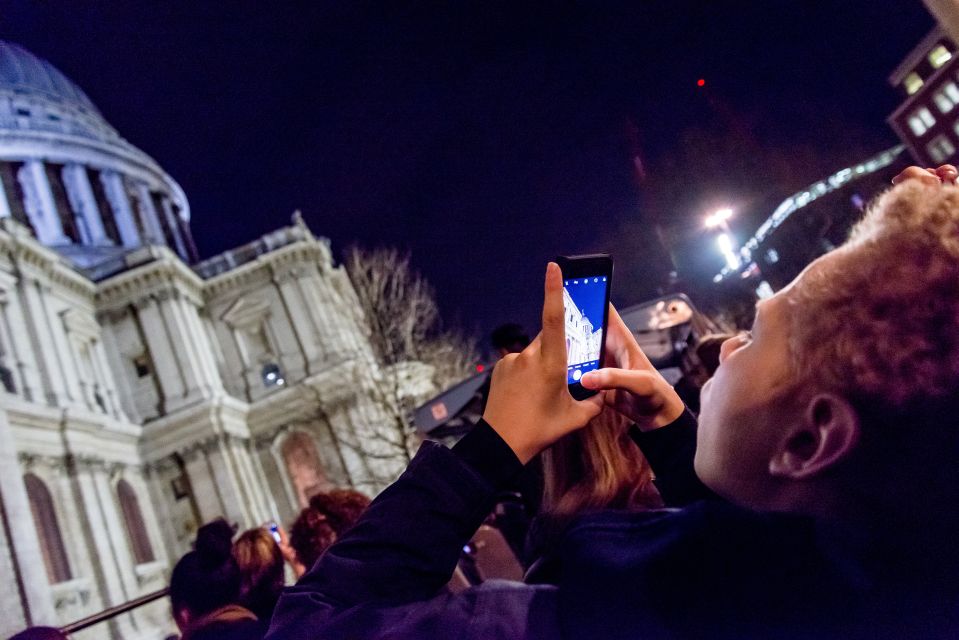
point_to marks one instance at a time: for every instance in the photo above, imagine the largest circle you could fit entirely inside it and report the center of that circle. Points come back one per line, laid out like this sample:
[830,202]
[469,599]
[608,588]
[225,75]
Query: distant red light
[701,82]
[480,368]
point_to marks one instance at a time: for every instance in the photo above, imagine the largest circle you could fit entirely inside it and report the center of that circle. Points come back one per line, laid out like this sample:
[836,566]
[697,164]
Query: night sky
[487,139]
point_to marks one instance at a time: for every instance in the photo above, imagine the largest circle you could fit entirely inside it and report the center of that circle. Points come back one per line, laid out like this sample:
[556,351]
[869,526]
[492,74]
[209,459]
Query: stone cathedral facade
[143,392]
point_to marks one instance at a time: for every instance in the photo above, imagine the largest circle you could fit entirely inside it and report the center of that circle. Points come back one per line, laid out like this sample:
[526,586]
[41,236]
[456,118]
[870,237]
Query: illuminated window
[912,83]
[940,148]
[272,376]
[920,121]
[939,56]
[947,97]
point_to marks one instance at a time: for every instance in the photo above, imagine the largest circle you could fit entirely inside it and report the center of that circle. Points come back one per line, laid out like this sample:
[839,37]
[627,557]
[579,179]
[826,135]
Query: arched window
[48,530]
[133,519]
[303,465]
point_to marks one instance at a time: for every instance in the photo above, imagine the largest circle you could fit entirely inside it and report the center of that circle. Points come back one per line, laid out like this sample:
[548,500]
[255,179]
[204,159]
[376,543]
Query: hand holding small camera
[633,386]
[529,404]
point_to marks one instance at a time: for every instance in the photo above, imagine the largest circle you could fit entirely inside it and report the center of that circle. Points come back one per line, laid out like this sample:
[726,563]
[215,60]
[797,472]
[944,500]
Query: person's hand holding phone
[529,404]
[633,386]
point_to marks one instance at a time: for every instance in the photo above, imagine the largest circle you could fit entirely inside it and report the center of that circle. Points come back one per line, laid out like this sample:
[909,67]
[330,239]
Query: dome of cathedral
[23,72]
[73,179]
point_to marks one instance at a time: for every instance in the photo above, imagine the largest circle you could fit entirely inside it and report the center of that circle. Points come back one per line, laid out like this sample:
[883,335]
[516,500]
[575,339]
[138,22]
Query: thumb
[591,407]
[639,383]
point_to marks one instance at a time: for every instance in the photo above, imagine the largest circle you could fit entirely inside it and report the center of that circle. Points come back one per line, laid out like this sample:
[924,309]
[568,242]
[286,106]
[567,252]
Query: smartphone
[274,531]
[586,284]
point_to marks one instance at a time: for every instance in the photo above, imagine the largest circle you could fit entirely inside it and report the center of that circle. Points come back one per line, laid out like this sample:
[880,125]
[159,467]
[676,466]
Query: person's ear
[827,433]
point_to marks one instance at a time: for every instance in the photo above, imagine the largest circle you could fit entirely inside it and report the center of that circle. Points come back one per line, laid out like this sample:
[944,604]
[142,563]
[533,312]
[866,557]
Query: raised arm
[386,572]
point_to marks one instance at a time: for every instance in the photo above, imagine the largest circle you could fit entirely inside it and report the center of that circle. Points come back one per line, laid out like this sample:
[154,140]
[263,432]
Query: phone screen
[585,301]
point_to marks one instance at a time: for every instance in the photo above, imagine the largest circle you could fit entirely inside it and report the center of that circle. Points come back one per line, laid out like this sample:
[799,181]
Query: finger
[589,408]
[926,176]
[553,336]
[621,342]
[638,383]
[947,173]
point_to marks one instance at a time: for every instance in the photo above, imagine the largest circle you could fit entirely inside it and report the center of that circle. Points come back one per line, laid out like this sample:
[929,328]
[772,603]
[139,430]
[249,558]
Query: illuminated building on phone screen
[146,392]
[582,339]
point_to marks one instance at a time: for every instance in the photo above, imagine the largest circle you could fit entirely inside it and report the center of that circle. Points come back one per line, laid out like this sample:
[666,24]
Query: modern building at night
[811,222]
[927,121]
[143,393]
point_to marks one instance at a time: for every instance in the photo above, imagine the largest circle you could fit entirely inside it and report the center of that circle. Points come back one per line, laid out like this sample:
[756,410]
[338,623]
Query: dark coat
[709,569]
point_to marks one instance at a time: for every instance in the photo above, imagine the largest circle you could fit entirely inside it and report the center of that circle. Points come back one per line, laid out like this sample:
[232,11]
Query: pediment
[246,312]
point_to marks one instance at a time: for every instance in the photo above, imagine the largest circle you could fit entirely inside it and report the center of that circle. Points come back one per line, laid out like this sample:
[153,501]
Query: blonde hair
[883,326]
[595,468]
[261,567]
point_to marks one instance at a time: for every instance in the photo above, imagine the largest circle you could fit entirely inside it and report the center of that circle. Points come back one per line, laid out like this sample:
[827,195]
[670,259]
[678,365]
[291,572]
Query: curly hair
[310,536]
[882,326]
[342,507]
[891,311]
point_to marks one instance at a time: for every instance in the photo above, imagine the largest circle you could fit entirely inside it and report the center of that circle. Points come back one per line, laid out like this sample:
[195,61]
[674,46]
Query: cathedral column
[204,486]
[186,318]
[295,311]
[15,336]
[160,345]
[262,502]
[29,578]
[99,357]
[198,379]
[171,221]
[234,491]
[83,201]
[149,215]
[63,351]
[5,211]
[116,195]
[40,205]
[51,370]
[88,475]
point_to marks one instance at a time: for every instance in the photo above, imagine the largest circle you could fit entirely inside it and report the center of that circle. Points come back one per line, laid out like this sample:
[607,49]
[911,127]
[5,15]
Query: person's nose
[727,347]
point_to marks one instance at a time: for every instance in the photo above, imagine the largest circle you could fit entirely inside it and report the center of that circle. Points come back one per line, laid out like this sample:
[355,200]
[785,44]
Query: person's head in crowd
[310,536]
[597,467]
[594,468]
[843,399]
[205,584]
[260,563]
[508,338]
[342,507]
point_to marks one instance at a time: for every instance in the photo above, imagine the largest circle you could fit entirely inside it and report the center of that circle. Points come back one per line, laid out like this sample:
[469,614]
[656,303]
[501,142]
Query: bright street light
[718,218]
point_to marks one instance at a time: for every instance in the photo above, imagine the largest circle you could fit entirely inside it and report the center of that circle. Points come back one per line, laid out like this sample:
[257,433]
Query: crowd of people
[226,589]
[811,497]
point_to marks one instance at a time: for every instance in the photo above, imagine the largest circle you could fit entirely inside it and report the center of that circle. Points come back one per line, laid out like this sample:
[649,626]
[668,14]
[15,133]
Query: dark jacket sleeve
[388,571]
[670,451]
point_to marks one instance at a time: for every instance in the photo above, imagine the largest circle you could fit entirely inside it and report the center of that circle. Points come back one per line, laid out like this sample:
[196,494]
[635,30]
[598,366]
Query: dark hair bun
[214,543]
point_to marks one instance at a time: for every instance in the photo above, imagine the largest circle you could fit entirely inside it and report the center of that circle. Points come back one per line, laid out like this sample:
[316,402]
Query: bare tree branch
[398,307]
